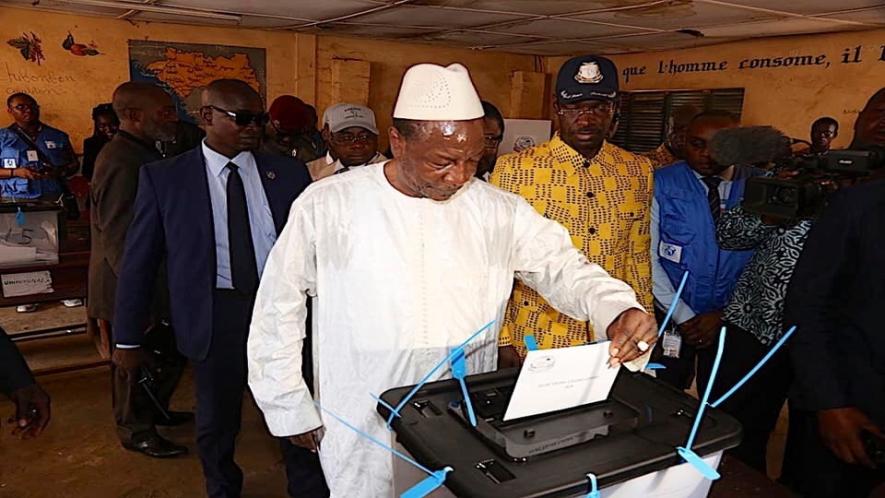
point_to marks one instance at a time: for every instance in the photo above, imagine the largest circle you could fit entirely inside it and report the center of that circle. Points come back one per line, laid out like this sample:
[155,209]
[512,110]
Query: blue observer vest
[52,143]
[688,237]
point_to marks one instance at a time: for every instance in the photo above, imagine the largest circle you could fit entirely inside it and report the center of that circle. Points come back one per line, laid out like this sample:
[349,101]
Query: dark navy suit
[173,224]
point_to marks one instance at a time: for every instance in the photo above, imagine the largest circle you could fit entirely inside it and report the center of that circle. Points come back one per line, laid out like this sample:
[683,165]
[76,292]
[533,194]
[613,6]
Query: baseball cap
[289,114]
[587,77]
[341,116]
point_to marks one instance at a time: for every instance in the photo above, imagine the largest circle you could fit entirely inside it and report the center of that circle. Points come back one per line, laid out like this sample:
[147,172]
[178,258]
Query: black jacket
[837,300]
[14,372]
[172,219]
[112,193]
[91,147]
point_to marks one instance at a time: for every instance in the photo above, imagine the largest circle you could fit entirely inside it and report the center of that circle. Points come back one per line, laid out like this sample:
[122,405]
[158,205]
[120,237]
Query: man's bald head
[231,94]
[135,95]
[145,111]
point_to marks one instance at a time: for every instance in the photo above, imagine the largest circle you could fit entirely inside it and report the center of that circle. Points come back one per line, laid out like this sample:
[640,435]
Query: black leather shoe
[157,447]
[175,418]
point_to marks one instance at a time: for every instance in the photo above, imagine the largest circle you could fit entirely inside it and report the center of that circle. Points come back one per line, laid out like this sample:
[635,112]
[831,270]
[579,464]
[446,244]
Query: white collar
[218,162]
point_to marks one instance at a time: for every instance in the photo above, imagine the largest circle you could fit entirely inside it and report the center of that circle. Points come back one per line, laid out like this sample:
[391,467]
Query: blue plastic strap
[428,485]
[594,489]
[433,370]
[755,369]
[676,298]
[530,343]
[703,405]
[655,366]
[459,371]
[20,217]
[383,403]
[368,436]
[698,463]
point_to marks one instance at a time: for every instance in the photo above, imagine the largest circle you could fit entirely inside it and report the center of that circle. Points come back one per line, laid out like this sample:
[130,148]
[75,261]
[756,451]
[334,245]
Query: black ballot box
[628,441]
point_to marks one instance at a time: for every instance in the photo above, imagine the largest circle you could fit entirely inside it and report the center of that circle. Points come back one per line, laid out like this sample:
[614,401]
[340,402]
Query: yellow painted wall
[491,72]
[68,86]
[789,98]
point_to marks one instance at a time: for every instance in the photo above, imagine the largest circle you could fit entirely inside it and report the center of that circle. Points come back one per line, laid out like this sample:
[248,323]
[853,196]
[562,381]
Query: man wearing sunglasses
[598,191]
[493,133]
[352,138]
[211,216]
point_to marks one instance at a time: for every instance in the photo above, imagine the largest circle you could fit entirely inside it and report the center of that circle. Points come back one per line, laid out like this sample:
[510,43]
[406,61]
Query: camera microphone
[749,145]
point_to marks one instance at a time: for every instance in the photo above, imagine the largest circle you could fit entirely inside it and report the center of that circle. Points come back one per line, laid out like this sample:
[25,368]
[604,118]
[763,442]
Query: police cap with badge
[587,77]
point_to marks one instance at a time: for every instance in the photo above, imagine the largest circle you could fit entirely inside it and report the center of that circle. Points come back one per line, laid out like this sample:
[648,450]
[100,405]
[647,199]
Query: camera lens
[786,195]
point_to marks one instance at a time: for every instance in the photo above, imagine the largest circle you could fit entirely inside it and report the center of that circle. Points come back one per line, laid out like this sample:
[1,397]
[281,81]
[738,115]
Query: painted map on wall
[185,69]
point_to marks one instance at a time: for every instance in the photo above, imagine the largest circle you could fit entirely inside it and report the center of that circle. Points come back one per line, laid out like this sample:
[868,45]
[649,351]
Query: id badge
[9,163]
[672,343]
[33,156]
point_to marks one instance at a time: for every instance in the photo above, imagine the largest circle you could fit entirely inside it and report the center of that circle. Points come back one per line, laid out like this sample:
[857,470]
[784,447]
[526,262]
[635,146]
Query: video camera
[816,177]
[801,194]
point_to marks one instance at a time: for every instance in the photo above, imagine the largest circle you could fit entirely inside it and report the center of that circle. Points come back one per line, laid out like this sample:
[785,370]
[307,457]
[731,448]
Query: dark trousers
[220,381]
[135,412]
[811,469]
[758,403]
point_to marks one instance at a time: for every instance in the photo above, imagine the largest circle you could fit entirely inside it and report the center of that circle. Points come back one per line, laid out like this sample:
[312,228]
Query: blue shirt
[16,153]
[264,233]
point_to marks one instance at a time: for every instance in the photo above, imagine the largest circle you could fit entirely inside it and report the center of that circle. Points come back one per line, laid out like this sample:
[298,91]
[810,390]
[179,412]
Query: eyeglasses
[492,140]
[594,108]
[25,107]
[347,138]
[243,118]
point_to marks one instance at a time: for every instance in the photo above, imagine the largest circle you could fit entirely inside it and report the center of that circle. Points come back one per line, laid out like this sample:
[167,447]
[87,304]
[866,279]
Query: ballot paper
[557,379]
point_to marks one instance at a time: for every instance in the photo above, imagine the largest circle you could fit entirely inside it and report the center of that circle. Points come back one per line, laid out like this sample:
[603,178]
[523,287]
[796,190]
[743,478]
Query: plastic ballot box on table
[29,234]
[628,441]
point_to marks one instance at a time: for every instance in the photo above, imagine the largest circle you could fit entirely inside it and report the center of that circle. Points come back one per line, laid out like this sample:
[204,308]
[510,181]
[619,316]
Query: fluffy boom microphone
[749,145]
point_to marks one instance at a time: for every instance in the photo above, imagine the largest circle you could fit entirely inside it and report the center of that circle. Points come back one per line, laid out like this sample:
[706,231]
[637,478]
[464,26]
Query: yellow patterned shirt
[661,157]
[604,203]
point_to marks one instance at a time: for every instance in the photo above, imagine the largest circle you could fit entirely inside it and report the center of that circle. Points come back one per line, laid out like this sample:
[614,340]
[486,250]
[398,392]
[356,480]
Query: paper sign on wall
[521,134]
[26,284]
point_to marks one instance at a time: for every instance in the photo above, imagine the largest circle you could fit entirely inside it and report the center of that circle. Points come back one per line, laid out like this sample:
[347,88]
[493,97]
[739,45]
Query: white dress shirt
[264,233]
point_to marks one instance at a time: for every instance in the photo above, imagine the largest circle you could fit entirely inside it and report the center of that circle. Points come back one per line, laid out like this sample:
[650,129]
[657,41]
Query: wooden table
[69,281]
[69,277]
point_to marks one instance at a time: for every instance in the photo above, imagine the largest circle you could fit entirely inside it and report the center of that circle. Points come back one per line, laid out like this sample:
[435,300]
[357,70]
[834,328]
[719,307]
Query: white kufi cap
[435,93]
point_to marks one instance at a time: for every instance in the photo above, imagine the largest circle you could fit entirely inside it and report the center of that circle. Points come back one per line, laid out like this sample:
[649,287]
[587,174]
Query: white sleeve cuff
[284,423]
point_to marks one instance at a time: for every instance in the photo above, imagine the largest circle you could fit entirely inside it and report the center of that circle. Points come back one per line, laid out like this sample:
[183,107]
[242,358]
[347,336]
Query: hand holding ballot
[632,334]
